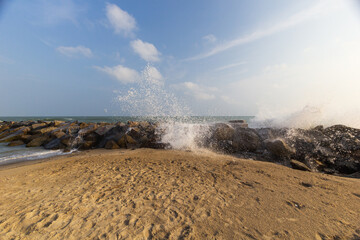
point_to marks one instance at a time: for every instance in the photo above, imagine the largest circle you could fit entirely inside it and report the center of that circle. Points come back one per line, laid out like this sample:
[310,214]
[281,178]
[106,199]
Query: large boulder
[222,132]
[19,132]
[115,134]
[86,130]
[37,142]
[246,140]
[102,130]
[279,148]
[54,144]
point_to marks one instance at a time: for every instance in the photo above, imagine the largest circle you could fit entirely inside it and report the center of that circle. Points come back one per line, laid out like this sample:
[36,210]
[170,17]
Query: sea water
[180,132]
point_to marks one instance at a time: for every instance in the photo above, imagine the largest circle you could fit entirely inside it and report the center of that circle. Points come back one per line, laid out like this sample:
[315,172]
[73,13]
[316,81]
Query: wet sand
[166,194]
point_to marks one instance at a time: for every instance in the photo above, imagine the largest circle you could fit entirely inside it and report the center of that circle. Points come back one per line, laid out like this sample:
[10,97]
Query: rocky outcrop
[332,150]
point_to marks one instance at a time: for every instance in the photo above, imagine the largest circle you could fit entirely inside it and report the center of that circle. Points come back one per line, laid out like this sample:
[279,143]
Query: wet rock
[279,148]
[54,144]
[246,139]
[111,144]
[222,132]
[37,142]
[16,143]
[238,123]
[299,165]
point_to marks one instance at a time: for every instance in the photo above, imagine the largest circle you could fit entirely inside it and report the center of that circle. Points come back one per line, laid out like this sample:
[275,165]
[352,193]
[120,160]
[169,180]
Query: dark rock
[246,139]
[238,123]
[44,130]
[87,145]
[299,165]
[36,126]
[59,134]
[111,144]
[101,131]
[54,144]
[115,134]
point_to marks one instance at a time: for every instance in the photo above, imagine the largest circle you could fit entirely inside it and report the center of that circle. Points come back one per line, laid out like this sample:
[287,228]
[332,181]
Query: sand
[167,194]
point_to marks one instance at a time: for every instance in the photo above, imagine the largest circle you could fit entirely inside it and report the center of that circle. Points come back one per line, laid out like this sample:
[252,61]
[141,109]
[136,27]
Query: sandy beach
[168,194]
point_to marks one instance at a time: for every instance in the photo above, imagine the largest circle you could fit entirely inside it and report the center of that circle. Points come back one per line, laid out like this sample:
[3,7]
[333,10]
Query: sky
[231,57]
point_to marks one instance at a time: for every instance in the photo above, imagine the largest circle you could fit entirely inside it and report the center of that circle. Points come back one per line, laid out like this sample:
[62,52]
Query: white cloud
[294,20]
[121,73]
[146,51]
[121,21]
[75,51]
[152,75]
[210,38]
[199,92]
[230,66]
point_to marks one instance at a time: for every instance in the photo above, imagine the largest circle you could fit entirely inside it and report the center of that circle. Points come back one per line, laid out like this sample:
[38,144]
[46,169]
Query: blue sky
[231,57]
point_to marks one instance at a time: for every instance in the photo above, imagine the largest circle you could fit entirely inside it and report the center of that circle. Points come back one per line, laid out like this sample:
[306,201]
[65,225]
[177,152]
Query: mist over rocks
[332,150]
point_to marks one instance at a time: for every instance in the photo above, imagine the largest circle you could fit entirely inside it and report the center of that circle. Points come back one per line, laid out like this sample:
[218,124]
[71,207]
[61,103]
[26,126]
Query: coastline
[152,194]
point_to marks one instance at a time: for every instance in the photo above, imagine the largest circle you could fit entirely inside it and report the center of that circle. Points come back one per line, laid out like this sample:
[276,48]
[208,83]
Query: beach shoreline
[157,194]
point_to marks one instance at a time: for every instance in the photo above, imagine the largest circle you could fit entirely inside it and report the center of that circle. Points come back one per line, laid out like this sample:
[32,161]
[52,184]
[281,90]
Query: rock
[38,125]
[37,142]
[83,125]
[59,134]
[115,133]
[246,139]
[101,131]
[89,129]
[87,145]
[67,141]
[144,124]
[238,123]
[134,132]
[133,124]
[3,128]
[54,144]
[111,144]
[222,132]
[16,143]
[44,130]
[72,130]
[299,165]
[347,165]
[91,137]
[21,131]
[57,123]
[278,148]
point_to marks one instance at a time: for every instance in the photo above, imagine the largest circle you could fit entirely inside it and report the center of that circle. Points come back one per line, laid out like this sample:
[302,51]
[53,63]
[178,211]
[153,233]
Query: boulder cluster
[79,135]
[332,150]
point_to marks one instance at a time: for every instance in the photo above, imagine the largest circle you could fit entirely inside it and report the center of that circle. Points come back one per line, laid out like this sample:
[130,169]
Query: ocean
[21,153]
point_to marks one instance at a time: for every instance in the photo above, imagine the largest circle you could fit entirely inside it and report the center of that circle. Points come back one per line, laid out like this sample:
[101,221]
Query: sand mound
[159,194]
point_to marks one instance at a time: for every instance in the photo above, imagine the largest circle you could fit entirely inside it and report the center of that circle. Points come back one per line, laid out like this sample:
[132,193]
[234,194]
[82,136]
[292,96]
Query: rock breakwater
[332,150]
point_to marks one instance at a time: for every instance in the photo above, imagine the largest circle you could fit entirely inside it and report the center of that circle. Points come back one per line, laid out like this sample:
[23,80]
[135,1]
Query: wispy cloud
[75,51]
[120,20]
[294,20]
[210,38]
[199,92]
[230,66]
[121,73]
[146,51]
